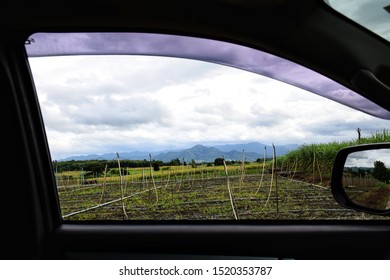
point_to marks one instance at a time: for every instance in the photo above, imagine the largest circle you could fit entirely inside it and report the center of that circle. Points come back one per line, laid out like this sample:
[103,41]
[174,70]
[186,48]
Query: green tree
[94,167]
[156,166]
[380,172]
[218,161]
[174,162]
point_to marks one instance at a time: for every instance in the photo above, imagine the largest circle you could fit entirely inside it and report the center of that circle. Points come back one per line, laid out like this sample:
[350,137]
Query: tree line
[98,166]
[379,172]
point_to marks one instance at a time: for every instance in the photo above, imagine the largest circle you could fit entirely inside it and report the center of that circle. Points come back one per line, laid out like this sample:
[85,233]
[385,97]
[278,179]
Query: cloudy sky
[112,104]
[368,158]
[149,101]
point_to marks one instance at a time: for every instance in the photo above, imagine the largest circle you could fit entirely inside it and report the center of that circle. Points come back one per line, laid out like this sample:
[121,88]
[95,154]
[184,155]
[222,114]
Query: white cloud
[368,158]
[114,104]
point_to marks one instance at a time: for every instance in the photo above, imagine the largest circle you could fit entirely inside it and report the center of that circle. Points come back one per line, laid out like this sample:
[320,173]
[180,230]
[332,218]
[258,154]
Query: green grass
[319,158]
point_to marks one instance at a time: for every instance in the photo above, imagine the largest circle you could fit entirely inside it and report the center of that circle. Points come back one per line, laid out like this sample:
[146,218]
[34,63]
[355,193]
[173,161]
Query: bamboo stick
[104,184]
[122,194]
[230,192]
[262,172]
[151,176]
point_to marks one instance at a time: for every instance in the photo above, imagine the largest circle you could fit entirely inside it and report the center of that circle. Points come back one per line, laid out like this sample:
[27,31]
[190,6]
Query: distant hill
[256,147]
[137,155]
[199,153]
[202,153]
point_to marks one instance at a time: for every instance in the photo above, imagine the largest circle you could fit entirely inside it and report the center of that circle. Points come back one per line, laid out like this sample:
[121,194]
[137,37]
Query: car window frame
[59,240]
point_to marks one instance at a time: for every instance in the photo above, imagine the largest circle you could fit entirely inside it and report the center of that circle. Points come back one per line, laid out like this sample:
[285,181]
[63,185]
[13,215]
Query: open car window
[163,127]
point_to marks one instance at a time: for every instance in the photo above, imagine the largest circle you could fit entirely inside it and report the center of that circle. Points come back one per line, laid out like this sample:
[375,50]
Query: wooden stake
[104,185]
[230,192]
[122,194]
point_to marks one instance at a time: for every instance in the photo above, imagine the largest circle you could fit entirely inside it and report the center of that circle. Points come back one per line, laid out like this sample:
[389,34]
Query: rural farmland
[202,193]
[291,187]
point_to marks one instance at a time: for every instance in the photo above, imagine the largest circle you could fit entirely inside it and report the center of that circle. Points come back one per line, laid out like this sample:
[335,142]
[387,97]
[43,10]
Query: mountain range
[199,153]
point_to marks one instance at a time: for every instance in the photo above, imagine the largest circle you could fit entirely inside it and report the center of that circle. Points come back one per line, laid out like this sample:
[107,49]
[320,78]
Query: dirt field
[251,198]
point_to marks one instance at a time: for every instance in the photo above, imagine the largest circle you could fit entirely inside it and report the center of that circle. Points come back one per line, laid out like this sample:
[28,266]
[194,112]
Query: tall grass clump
[320,157]
[377,137]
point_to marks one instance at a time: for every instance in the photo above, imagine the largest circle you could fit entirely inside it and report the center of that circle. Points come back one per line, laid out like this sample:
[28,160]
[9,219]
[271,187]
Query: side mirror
[361,178]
